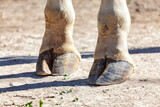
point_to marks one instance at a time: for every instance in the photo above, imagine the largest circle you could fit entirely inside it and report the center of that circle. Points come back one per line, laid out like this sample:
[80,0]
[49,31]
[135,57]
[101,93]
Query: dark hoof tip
[96,70]
[44,64]
[49,63]
[115,72]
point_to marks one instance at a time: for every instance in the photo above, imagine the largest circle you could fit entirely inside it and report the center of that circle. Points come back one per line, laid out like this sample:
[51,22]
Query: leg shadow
[79,82]
[145,50]
[15,60]
[87,55]
[25,74]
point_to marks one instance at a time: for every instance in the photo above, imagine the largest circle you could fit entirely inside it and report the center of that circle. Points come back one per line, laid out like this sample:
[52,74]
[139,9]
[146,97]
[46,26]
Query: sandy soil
[21,31]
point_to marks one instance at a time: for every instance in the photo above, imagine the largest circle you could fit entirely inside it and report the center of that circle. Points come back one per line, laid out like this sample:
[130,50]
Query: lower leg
[58,55]
[113,63]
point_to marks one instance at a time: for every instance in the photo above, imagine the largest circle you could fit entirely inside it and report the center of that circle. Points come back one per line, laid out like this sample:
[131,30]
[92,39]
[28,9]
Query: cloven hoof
[109,72]
[44,63]
[50,63]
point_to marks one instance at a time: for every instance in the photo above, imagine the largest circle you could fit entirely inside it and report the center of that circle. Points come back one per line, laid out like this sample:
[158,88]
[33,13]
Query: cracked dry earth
[21,31]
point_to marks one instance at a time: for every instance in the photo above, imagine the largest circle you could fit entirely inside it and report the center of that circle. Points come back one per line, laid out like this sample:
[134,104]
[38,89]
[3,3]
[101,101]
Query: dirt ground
[21,31]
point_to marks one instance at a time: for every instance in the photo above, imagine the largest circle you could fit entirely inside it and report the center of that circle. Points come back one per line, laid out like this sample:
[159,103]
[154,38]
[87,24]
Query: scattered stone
[50,96]
[8,103]
[15,84]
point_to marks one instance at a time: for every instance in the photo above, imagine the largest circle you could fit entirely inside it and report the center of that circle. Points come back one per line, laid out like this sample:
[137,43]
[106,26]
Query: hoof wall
[65,64]
[50,63]
[96,70]
[111,72]
[44,64]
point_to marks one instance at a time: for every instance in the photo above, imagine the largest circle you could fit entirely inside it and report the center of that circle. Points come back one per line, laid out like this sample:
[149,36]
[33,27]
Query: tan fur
[60,17]
[113,26]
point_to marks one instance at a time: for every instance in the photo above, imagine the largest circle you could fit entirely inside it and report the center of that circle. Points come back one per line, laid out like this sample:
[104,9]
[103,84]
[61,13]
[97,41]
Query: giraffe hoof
[113,72]
[49,63]
[44,63]
[96,70]
[64,64]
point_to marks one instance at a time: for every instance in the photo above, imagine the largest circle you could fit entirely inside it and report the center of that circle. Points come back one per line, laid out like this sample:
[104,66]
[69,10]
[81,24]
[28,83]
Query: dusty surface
[21,32]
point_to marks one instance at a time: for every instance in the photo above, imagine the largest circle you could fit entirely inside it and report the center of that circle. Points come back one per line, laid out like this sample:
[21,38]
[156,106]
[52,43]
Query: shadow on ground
[24,74]
[79,82]
[7,61]
[145,50]
[15,60]
[73,83]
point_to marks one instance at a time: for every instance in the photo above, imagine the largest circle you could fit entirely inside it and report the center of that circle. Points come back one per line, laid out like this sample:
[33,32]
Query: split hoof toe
[114,72]
[96,70]
[44,64]
[50,63]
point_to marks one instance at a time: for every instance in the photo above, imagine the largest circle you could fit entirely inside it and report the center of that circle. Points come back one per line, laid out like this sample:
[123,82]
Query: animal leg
[58,55]
[112,62]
